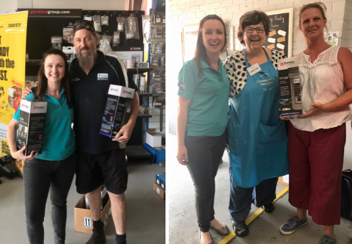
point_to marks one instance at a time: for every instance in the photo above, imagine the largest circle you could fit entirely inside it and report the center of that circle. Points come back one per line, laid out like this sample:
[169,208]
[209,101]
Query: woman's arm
[183,104]
[11,140]
[339,103]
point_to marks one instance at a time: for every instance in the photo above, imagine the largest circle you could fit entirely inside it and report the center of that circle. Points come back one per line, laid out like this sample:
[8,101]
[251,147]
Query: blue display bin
[157,152]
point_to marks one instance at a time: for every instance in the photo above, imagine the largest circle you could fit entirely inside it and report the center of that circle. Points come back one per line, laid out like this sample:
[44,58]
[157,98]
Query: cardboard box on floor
[153,138]
[83,217]
[159,190]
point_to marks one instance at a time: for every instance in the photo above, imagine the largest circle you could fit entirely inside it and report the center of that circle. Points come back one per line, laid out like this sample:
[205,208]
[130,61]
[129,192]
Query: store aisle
[145,210]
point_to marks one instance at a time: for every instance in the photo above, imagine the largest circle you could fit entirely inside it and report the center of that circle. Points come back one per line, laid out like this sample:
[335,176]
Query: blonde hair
[319,5]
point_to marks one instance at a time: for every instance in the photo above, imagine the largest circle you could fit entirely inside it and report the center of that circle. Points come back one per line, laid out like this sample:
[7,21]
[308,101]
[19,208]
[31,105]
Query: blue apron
[257,135]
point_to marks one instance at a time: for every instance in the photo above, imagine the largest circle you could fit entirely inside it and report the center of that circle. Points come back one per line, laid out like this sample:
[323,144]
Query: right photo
[258,121]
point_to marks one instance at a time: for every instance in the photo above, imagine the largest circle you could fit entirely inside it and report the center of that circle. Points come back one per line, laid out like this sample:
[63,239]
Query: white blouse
[321,82]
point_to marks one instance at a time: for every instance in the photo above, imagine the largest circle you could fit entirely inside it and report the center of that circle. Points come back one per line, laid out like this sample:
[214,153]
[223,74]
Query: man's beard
[87,61]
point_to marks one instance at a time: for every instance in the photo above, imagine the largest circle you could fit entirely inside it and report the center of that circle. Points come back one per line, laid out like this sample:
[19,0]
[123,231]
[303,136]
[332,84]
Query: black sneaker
[268,207]
[98,236]
[240,228]
[325,239]
[292,225]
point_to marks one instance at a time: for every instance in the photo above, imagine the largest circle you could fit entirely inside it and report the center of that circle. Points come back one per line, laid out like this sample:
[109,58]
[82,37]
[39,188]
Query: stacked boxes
[159,185]
[117,110]
[160,180]
[32,125]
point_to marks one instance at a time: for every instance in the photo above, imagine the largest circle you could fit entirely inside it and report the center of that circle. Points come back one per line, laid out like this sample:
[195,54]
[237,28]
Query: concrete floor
[145,211]
[263,230]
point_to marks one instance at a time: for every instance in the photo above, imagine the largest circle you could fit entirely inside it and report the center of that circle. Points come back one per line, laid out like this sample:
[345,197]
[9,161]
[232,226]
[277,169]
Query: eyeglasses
[250,30]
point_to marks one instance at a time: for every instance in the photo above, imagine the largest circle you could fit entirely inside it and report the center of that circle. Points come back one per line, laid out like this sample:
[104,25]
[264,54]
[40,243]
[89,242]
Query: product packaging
[116,39]
[104,20]
[97,23]
[31,125]
[132,29]
[290,88]
[117,110]
[67,34]
[120,22]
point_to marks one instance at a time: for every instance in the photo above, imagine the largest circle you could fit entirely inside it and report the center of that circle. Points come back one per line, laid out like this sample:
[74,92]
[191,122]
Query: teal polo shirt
[209,94]
[59,141]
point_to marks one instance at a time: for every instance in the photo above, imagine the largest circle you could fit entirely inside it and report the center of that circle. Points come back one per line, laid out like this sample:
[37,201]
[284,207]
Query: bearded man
[100,159]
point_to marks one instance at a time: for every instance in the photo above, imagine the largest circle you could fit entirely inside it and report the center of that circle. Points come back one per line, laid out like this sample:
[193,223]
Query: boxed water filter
[290,88]
[117,110]
[32,125]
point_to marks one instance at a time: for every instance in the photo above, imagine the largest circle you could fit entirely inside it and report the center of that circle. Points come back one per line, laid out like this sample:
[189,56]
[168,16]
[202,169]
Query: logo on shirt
[103,76]
[182,86]
[75,79]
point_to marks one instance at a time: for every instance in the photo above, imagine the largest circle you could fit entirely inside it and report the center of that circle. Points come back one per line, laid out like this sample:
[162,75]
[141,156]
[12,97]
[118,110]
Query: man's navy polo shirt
[89,94]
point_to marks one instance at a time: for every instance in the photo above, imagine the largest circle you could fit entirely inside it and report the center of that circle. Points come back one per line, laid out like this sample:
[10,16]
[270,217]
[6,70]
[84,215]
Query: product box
[153,138]
[290,88]
[159,190]
[160,180]
[31,125]
[117,110]
[83,217]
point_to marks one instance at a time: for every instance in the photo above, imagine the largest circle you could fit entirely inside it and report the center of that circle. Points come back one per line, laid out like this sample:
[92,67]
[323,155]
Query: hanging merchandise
[67,34]
[116,39]
[132,31]
[157,18]
[157,76]
[142,83]
[158,89]
[104,43]
[104,20]
[96,21]
[88,17]
[162,61]
[120,22]
[164,32]
[56,42]
[155,61]
[164,18]
[158,47]
[157,32]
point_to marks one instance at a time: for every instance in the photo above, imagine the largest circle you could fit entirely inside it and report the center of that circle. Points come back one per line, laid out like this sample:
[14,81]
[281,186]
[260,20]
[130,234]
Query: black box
[117,110]
[32,125]
[290,88]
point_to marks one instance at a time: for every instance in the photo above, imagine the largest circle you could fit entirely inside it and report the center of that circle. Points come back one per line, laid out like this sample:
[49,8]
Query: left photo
[82,122]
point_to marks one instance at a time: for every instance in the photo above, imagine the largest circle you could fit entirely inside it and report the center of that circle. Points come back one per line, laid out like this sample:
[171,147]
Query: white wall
[188,12]
[7,6]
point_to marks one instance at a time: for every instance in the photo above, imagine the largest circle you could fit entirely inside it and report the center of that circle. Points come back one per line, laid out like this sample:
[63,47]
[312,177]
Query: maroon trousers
[316,160]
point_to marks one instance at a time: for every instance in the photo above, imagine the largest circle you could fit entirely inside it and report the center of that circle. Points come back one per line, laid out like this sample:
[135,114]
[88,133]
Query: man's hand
[19,154]
[124,134]
[26,91]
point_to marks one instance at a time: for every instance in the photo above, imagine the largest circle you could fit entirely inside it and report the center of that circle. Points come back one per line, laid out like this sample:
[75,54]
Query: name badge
[254,69]
[103,76]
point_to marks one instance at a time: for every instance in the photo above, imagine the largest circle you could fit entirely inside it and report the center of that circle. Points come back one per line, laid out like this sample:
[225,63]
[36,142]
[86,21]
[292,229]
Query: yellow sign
[13,34]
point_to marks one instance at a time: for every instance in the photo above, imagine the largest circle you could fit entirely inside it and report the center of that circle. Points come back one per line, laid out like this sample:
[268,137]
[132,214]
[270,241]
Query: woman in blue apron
[257,137]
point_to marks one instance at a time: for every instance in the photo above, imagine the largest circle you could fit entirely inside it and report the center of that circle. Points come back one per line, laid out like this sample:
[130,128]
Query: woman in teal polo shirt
[54,168]
[202,119]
